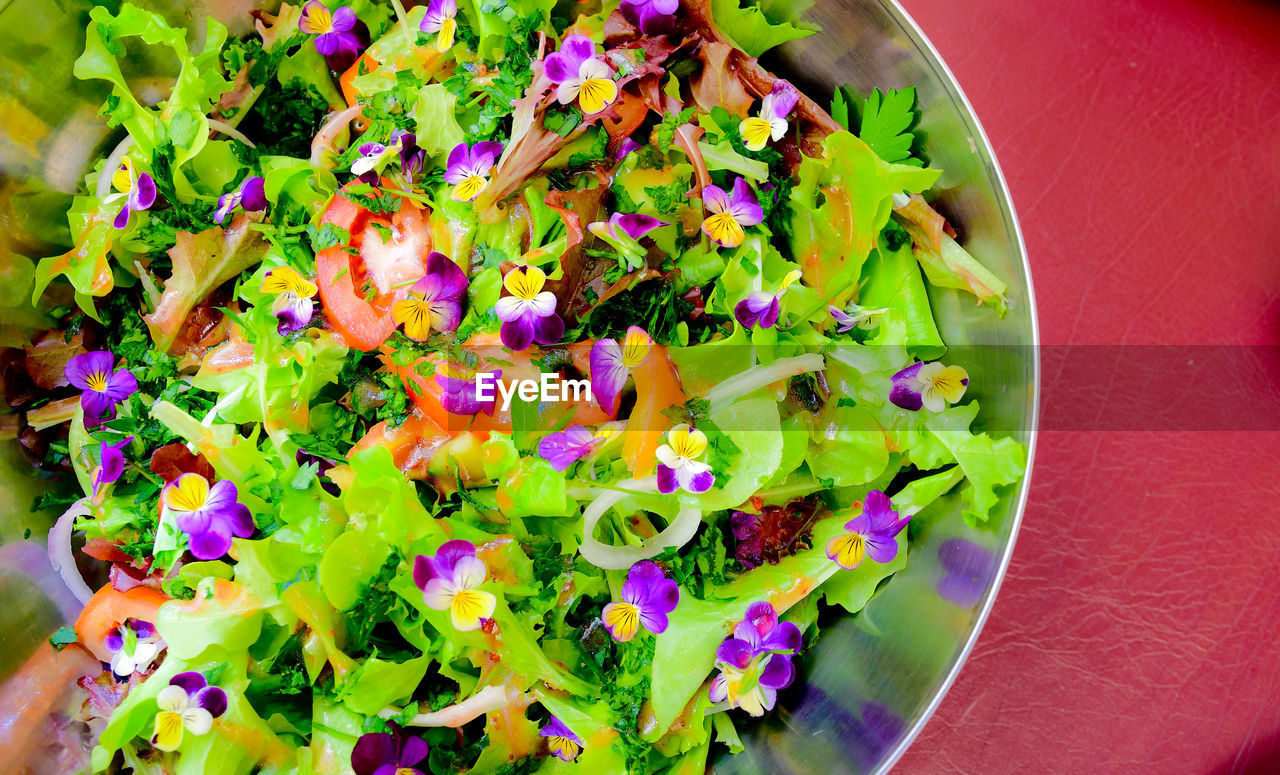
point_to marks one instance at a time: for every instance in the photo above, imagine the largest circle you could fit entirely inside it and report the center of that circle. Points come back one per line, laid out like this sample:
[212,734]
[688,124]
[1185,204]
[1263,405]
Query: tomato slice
[358,291]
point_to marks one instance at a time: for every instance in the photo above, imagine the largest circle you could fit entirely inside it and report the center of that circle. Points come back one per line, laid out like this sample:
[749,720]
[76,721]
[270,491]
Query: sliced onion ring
[61,557]
[328,133]
[677,534]
[487,700]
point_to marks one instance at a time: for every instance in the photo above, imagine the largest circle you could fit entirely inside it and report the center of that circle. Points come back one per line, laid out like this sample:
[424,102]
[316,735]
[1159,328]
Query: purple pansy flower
[968,568]
[678,467]
[756,662]
[928,385]
[771,123]
[187,704]
[627,148]
[450,581]
[460,392]
[339,34]
[138,190]
[647,597]
[134,646]
[468,166]
[623,232]
[652,17]
[293,305]
[729,214]
[873,533]
[612,363]
[854,316]
[441,21]
[251,196]
[528,315]
[561,741]
[389,753]
[761,308]
[375,156]
[580,76]
[110,464]
[566,447]
[434,302]
[209,516]
[103,386]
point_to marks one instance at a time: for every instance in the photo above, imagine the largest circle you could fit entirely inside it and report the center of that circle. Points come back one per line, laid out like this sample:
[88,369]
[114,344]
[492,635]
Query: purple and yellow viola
[756,661]
[434,303]
[771,122]
[389,753]
[564,448]
[731,213]
[854,316]
[647,597]
[137,189]
[873,533]
[293,305]
[450,581]
[441,21]
[761,308]
[188,705]
[134,646]
[374,157]
[561,740]
[679,467]
[251,196]
[929,386]
[339,34]
[209,515]
[612,363]
[110,466]
[468,166]
[580,76]
[528,314]
[103,386]
[623,233]
[459,393]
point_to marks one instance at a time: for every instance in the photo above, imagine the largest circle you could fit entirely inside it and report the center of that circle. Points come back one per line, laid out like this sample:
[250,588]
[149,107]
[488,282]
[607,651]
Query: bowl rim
[984,149]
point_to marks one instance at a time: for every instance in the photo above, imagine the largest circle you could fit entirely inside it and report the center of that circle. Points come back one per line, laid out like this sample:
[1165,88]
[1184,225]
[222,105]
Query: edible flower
[209,516]
[187,704]
[375,156]
[580,76]
[647,597]
[678,467]
[627,148]
[529,314]
[612,363]
[729,214]
[872,533]
[293,305]
[335,31]
[756,662]
[761,308]
[853,316]
[134,646]
[440,20]
[103,386]
[561,741]
[564,448]
[652,17]
[771,122]
[434,302]
[459,395]
[623,232]
[468,166]
[110,464]
[138,190]
[388,753]
[928,385]
[450,581]
[251,196]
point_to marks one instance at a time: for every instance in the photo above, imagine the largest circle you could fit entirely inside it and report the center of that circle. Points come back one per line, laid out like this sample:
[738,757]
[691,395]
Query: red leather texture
[1138,630]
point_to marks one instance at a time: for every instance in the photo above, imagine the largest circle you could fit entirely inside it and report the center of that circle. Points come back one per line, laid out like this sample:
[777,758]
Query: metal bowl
[874,678]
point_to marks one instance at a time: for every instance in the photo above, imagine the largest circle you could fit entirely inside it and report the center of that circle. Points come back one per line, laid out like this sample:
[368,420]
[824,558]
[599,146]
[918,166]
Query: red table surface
[1138,629]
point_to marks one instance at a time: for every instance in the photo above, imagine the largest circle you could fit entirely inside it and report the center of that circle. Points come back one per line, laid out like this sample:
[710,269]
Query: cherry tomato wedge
[359,286]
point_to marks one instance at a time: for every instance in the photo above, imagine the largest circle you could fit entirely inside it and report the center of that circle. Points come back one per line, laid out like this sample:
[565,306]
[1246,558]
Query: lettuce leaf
[987,463]
[892,280]
[750,28]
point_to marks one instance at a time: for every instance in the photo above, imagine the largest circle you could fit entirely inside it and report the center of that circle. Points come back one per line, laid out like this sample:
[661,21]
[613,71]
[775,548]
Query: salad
[489,387]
